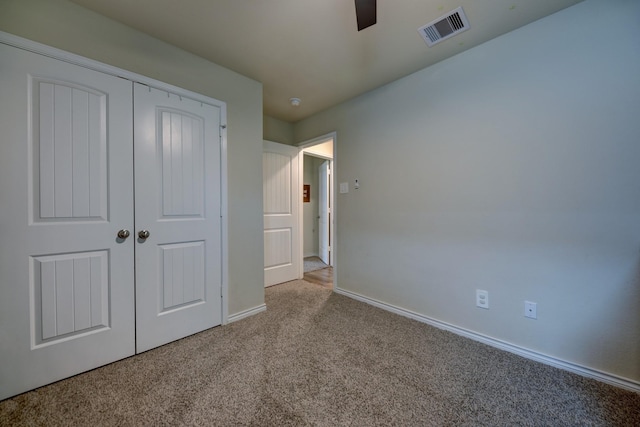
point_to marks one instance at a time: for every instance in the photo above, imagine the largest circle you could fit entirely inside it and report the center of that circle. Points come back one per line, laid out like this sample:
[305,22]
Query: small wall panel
[276,170]
[70,152]
[277,247]
[71,294]
[182,157]
[183,274]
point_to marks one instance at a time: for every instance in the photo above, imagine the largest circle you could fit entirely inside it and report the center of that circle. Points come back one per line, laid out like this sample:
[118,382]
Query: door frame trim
[72,58]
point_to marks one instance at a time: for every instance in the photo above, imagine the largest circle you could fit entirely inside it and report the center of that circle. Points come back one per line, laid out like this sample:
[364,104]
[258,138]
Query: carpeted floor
[317,358]
[313,263]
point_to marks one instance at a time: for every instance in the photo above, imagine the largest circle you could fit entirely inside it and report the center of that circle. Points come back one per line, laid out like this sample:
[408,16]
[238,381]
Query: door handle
[143,234]
[123,234]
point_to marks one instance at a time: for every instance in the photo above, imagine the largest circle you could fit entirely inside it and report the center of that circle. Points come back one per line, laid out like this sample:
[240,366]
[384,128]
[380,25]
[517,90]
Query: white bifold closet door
[66,173]
[177,200]
[70,298]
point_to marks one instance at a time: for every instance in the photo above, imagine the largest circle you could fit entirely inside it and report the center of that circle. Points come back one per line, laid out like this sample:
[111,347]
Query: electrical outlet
[530,310]
[482,298]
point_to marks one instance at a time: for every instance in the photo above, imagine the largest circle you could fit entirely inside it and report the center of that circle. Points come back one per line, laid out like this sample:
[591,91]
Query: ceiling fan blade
[365,13]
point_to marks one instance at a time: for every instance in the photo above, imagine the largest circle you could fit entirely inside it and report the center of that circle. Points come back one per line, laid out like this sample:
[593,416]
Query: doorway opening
[316,218]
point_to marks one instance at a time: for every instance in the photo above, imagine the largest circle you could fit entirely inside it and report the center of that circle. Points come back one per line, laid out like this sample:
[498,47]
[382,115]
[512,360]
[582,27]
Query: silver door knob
[144,234]
[123,234]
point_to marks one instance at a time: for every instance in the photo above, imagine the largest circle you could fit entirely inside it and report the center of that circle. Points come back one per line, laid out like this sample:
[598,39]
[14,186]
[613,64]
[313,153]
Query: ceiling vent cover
[444,27]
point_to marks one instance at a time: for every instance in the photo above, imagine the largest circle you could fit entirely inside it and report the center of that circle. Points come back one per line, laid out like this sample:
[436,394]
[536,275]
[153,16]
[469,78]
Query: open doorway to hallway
[316,220]
[317,231]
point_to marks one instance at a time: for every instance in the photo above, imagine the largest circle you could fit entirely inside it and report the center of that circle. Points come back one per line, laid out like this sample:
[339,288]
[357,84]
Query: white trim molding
[499,344]
[247,313]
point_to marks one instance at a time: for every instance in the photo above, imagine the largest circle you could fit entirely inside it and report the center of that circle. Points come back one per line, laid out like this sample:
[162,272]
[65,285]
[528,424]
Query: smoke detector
[444,27]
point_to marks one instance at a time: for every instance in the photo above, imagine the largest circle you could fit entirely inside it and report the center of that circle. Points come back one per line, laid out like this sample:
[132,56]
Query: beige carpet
[316,358]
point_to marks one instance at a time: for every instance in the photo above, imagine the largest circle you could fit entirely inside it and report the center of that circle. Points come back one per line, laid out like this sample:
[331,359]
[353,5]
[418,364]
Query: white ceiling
[311,49]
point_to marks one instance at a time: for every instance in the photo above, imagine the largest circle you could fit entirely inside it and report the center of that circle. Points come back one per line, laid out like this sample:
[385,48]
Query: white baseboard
[502,345]
[246,313]
[310,254]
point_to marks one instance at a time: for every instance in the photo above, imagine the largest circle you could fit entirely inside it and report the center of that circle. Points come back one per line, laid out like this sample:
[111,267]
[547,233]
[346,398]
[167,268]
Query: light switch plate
[344,187]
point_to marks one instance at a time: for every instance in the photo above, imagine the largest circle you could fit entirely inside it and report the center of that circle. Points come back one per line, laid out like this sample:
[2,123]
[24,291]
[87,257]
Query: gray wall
[277,130]
[64,25]
[513,167]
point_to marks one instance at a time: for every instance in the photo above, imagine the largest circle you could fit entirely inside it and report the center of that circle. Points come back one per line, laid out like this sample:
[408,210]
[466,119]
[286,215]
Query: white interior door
[177,201]
[324,211]
[281,194]
[66,174]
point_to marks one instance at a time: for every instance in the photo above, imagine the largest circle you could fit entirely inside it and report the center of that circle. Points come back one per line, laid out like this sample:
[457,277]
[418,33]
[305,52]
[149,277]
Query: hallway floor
[323,277]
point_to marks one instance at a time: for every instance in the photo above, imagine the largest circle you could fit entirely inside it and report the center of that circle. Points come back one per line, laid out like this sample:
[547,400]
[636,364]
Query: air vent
[444,27]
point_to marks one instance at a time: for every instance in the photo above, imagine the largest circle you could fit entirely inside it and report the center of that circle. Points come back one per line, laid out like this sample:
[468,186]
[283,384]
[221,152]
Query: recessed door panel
[182,280]
[182,164]
[277,248]
[71,295]
[69,151]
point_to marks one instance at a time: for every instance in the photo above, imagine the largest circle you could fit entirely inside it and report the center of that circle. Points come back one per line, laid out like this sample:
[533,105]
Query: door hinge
[222,127]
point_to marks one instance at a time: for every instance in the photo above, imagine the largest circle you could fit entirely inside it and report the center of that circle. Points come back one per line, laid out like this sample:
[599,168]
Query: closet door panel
[177,187]
[66,189]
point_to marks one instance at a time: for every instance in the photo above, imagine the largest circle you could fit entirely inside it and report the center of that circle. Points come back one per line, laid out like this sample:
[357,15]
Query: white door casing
[324,211]
[66,280]
[177,200]
[281,194]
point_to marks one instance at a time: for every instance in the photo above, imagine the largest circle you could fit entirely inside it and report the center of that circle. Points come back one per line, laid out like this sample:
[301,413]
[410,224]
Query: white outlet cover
[482,299]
